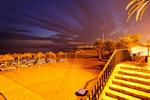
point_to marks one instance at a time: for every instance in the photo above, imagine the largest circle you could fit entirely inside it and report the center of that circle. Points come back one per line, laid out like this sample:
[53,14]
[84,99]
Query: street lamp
[147,45]
[148,57]
[66,56]
[76,54]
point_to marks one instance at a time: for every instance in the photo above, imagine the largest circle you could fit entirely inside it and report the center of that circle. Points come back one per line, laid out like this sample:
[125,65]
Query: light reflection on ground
[57,81]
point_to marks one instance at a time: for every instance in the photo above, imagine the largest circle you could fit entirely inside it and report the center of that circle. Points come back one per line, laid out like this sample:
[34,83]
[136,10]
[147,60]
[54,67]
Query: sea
[33,50]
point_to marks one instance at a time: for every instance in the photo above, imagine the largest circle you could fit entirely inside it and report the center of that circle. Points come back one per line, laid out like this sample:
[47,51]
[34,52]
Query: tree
[138,7]
[110,45]
[120,45]
[130,39]
[99,46]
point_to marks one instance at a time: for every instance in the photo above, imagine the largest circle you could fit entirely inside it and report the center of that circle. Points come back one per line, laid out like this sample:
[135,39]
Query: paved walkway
[49,82]
[13,91]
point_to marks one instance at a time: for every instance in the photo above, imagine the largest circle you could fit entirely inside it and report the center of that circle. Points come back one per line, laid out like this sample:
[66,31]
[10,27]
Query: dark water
[33,50]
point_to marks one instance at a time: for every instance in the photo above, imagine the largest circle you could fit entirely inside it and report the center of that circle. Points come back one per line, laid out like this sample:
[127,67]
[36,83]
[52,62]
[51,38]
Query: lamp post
[147,45]
[76,54]
[103,38]
[66,57]
[148,51]
[19,61]
[148,57]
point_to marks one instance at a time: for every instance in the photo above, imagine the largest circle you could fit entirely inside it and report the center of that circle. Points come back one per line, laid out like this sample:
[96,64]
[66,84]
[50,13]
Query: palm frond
[138,7]
[139,12]
[142,12]
[130,4]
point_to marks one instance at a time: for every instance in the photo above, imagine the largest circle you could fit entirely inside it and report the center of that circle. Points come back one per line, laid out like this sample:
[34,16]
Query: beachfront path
[14,91]
[57,81]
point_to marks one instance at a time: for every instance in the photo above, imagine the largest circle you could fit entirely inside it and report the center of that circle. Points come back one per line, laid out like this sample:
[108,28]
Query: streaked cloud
[62,22]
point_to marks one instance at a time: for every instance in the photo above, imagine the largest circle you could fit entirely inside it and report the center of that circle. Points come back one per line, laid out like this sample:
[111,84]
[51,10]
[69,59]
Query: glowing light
[139,50]
[138,7]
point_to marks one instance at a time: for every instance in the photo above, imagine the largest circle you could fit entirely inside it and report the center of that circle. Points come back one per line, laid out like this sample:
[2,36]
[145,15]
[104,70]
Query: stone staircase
[128,82]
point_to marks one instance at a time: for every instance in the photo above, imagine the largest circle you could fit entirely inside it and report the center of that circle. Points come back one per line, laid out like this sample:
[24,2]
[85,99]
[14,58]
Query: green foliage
[109,45]
[106,47]
[99,44]
[120,45]
[130,39]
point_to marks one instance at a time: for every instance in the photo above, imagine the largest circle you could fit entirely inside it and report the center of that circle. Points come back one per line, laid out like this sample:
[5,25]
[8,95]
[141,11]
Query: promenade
[57,81]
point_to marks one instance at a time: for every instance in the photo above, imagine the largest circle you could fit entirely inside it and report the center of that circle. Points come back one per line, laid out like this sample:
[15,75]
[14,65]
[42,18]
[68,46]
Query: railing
[2,97]
[88,82]
[118,56]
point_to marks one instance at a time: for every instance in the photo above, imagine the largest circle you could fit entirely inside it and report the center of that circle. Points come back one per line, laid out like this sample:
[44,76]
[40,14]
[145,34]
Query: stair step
[108,98]
[135,73]
[145,70]
[133,79]
[119,95]
[131,92]
[128,82]
[133,64]
[133,85]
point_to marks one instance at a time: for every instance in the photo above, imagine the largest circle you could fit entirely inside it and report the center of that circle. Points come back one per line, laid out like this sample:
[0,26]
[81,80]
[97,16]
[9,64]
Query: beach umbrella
[51,55]
[27,55]
[7,57]
[40,55]
[61,54]
[15,55]
[30,55]
[1,56]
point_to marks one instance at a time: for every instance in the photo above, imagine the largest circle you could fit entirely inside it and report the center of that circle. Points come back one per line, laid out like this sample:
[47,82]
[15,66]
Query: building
[139,50]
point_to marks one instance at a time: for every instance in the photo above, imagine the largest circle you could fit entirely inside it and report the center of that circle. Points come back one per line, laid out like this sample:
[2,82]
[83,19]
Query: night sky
[65,23]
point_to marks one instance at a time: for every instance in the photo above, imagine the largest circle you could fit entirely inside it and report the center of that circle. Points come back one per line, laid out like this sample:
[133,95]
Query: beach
[54,81]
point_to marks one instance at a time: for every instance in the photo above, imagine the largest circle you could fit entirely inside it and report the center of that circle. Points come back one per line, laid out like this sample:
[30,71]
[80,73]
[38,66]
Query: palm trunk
[99,54]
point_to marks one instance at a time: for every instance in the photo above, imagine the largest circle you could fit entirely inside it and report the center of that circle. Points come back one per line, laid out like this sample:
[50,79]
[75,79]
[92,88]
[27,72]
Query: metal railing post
[116,57]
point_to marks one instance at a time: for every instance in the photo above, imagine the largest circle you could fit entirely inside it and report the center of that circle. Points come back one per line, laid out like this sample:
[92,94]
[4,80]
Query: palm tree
[138,7]
[99,46]
[61,55]
[51,55]
[7,57]
[110,45]
[40,55]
